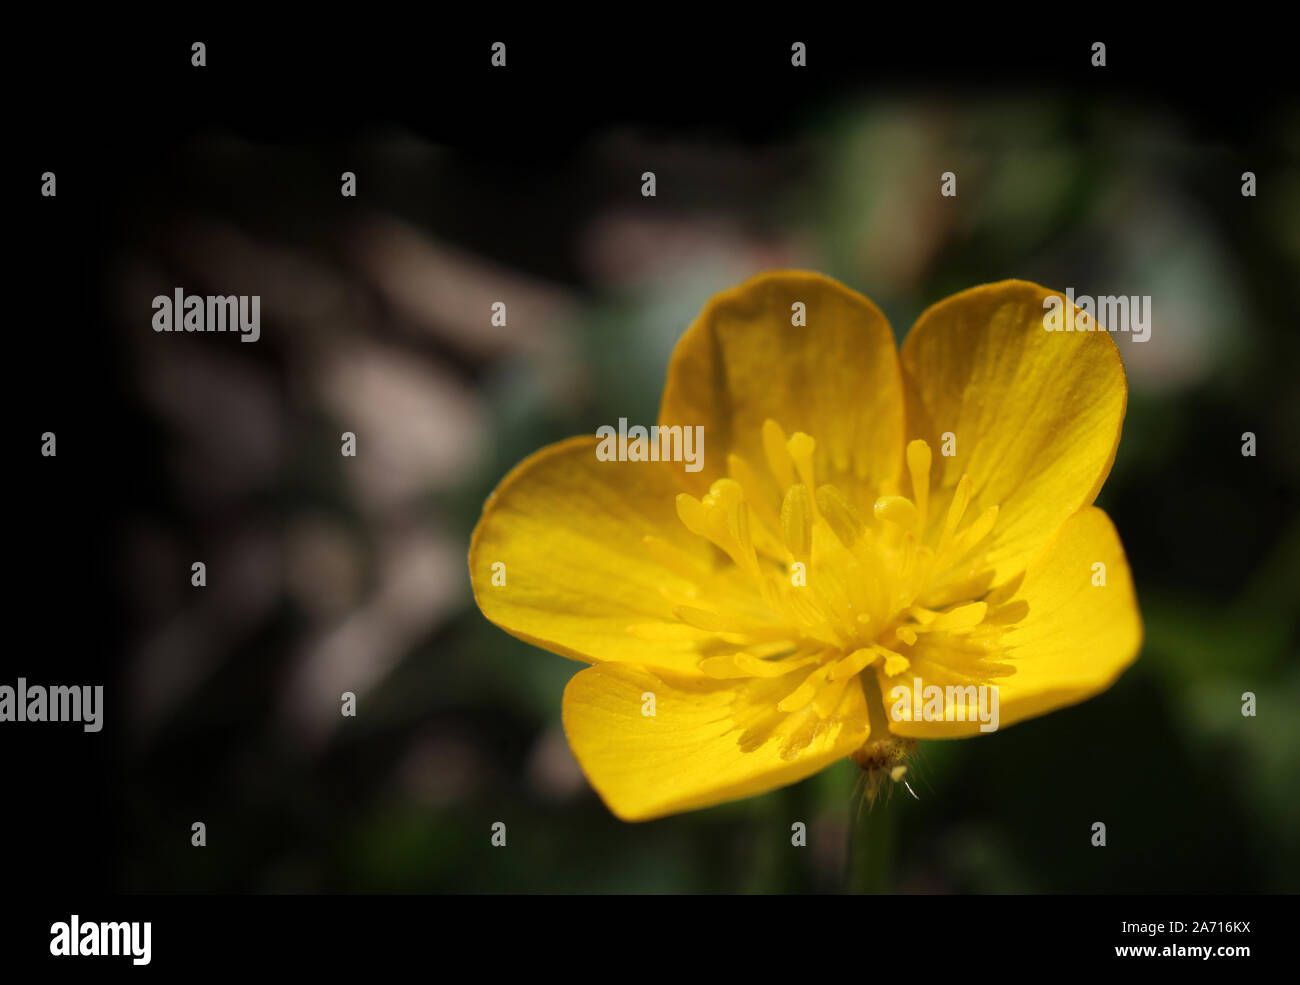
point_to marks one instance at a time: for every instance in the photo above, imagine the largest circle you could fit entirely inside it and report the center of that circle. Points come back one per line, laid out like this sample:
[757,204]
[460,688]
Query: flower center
[825,583]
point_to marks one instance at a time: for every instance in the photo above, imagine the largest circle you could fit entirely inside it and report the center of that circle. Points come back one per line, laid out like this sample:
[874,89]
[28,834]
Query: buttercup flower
[875,542]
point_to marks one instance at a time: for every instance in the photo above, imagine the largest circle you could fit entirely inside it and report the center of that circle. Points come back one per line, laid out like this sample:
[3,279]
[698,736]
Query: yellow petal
[580,578]
[835,378]
[1074,639]
[1036,414]
[707,742]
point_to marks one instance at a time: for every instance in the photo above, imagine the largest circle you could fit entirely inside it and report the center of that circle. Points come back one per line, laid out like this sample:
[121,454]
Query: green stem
[872,837]
[874,827]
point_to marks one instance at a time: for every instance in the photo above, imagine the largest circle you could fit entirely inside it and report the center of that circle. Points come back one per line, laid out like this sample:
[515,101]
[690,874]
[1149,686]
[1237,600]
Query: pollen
[822,587]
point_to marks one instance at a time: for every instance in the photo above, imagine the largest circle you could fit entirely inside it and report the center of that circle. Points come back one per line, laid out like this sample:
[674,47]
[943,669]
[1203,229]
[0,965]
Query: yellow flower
[863,520]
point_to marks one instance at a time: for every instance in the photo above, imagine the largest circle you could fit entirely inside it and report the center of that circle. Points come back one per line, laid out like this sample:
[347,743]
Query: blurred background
[329,574]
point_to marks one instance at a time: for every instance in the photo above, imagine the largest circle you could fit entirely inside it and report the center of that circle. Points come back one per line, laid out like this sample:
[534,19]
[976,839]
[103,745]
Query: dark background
[328,574]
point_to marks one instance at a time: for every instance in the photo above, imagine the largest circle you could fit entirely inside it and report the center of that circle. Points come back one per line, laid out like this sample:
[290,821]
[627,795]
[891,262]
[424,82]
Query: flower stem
[872,836]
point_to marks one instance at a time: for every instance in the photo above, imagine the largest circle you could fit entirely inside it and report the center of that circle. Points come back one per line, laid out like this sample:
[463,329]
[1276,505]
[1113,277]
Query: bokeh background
[329,574]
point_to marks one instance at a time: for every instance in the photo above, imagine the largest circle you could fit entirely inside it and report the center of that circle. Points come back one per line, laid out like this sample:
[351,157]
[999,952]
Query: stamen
[918,465]
[879,577]
[778,459]
[747,665]
[801,448]
[960,618]
[840,515]
[854,663]
[691,512]
[895,663]
[975,533]
[960,500]
[760,502]
[804,693]
[897,510]
[922,615]
[796,521]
